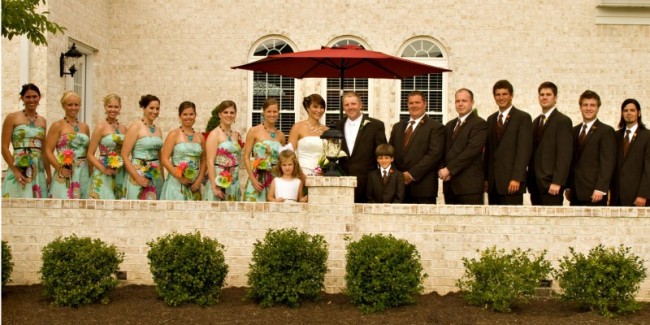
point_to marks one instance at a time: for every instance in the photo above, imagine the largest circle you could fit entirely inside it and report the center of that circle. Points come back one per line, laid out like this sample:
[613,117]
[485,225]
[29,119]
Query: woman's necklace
[75,125]
[152,127]
[224,132]
[315,129]
[271,133]
[31,121]
[115,125]
[190,137]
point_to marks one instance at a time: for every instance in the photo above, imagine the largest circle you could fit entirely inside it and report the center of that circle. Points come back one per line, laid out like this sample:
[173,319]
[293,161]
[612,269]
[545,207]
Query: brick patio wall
[442,234]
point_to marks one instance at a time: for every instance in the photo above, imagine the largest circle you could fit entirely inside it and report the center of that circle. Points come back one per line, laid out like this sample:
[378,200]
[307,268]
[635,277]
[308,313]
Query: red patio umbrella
[349,61]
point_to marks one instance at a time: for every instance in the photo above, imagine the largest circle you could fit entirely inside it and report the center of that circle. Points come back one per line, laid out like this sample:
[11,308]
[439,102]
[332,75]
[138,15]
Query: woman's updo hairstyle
[111,97]
[68,94]
[146,99]
[313,99]
[184,105]
[29,86]
[226,104]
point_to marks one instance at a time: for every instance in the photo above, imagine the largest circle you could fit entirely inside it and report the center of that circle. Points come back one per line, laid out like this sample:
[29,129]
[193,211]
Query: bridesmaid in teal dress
[223,150]
[107,179]
[28,173]
[141,154]
[263,142]
[187,164]
[70,138]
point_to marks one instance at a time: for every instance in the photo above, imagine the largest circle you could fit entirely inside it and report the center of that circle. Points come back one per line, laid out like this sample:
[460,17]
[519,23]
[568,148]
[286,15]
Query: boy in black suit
[385,184]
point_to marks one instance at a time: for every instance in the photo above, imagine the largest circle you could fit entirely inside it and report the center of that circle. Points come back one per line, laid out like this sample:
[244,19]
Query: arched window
[433,85]
[333,96]
[266,85]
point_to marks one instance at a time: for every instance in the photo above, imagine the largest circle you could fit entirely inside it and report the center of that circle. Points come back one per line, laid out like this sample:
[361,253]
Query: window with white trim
[433,85]
[333,96]
[265,85]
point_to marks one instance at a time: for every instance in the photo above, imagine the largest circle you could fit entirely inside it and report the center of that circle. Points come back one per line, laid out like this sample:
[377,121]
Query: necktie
[456,130]
[626,142]
[385,177]
[407,135]
[583,134]
[499,126]
[540,126]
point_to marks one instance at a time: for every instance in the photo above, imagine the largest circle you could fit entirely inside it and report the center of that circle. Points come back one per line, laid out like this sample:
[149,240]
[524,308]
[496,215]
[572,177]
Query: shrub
[7,264]
[382,272]
[79,271]
[214,120]
[606,280]
[288,267]
[498,279]
[187,268]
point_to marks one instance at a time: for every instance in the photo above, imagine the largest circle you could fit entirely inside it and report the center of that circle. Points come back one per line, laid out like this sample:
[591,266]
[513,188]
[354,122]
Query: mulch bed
[138,304]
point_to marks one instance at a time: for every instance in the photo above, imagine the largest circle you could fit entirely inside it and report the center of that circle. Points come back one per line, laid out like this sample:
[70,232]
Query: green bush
[606,280]
[79,271]
[382,272]
[288,267]
[187,268]
[214,120]
[498,279]
[7,264]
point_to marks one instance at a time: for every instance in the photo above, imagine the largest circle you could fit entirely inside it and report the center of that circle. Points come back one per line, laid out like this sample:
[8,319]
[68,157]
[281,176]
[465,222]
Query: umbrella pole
[341,96]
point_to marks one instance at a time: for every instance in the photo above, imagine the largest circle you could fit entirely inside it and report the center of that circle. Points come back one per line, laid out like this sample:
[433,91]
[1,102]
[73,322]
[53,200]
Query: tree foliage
[19,17]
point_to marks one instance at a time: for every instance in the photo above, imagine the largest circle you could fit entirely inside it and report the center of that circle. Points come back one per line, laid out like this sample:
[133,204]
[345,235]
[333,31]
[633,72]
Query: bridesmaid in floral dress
[223,150]
[141,154]
[264,142]
[187,164]
[28,173]
[107,179]
[70,138]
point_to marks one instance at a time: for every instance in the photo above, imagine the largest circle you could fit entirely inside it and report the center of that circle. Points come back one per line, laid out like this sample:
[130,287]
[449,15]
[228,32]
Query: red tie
[385,177]
[499,126]
[626,143]
[407,135]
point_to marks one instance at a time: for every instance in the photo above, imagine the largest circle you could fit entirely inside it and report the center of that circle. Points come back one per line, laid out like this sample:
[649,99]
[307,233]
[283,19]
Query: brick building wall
[443,235]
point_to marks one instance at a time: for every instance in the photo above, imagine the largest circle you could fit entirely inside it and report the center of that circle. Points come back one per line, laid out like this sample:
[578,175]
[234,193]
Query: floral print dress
[186,158]
[265,157]
[146,160]
[71,153]
[226,169]
[108,187]
[27,141]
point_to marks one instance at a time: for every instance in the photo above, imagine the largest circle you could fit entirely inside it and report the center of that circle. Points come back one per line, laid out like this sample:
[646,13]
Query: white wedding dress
[309,151]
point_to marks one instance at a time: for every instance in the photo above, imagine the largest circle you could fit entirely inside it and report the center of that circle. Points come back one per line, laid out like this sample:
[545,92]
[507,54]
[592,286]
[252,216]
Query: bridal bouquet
[184,169]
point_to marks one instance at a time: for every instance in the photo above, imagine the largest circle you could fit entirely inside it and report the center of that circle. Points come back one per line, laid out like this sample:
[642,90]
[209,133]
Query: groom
[362,135]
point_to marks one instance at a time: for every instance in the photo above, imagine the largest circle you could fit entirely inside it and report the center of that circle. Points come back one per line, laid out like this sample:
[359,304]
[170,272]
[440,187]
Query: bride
[304,136]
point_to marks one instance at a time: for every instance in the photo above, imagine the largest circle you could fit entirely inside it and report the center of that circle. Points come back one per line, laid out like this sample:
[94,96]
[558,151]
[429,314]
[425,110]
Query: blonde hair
[111,97]
[67,95]
[286,155]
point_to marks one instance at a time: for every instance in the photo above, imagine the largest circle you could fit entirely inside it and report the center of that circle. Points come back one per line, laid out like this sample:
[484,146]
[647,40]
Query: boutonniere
[507,119]
[633,137]
[391,171]
[365,122]
[421,122]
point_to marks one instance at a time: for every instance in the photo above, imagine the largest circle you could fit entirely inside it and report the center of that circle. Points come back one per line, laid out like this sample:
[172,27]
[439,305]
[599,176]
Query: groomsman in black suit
[508,149]
[419,146]
[462,173]
[631,181]
[548,170]
[362,134]
[594,157]
[385,184]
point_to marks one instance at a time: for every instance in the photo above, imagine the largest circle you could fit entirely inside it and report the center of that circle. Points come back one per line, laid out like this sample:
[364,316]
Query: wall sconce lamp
[70,57]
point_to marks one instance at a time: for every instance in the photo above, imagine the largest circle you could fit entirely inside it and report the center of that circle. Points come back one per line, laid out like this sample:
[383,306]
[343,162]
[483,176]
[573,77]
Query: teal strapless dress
[146,160]
[185,154]
[27,141]
[268,150]
[108,187]
[226,164]
[75,187]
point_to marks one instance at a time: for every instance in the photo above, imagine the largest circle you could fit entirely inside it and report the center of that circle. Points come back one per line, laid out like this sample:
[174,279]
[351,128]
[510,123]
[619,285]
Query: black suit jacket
[552,153]
[362,161]
[423,156]
[506,159]
[391,192]
[593,162]
[464,156]
[632,175]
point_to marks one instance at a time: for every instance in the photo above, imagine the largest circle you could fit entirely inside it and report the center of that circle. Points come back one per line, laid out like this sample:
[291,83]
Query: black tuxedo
[464,159]
[551,159]
[391,192]
[362,160]
[593,163]
[507,157]
[421,158]
[632,175]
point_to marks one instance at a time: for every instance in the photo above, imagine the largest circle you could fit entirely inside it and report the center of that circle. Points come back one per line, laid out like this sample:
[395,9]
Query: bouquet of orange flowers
[184,169]
[66,159]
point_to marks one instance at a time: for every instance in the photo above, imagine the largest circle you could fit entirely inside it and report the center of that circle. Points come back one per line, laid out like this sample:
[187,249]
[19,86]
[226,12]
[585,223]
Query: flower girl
[289,186]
